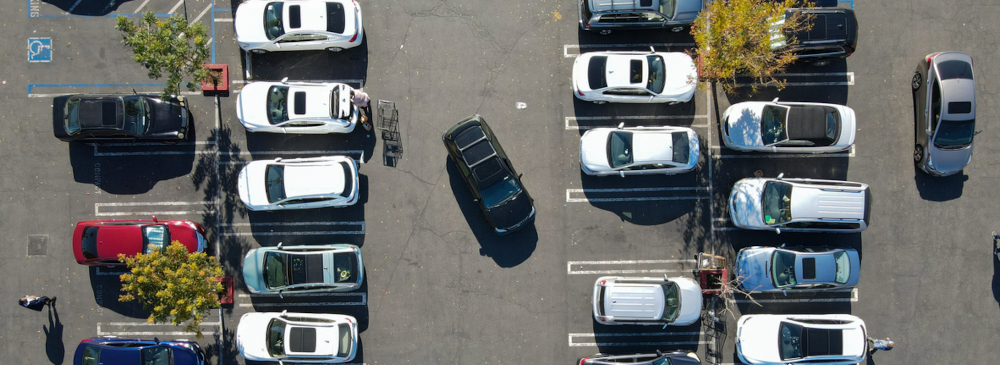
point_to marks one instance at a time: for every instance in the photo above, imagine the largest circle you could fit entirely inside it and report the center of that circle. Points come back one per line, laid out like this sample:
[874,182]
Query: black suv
[490,175]
[834,35]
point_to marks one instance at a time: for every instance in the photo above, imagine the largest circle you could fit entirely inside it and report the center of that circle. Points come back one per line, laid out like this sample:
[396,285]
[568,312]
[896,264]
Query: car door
[930,94]
[300,41]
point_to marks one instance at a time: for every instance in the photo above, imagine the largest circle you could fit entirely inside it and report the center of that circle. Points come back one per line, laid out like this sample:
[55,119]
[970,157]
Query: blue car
[107,350]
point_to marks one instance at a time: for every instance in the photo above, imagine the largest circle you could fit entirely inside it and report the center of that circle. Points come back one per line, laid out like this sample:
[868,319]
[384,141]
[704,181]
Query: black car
[490,175]
[833,35]
[659,358]
[122,118]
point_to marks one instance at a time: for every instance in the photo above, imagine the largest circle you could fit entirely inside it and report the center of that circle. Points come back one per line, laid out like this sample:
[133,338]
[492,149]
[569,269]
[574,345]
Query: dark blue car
[117,351]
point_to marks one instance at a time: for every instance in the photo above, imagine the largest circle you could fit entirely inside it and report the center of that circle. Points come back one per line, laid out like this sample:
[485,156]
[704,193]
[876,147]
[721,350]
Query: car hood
[251,105]
[168,118]
[594,149]
[743,120]
[251,335]
[691,301]
[249,22]
[949,161]
[744,203]
[253,193]
[512,212]
[687,10]
[183,356]
[682,74]
[752,267]
[184,233]
[757,337]
[252,270]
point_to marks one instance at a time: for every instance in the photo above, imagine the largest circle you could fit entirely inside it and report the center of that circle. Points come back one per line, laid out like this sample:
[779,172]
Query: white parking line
[566,47]
[360,224]
[848,75]
[99,213]
[580,264]
[101,327]
[573,123]
[223,20]
[173,9]
[849,154]
[853,298]
[115,273]
[143,5]
[363,301]
[613,336]
[694,190]
[52,95]
[203,12]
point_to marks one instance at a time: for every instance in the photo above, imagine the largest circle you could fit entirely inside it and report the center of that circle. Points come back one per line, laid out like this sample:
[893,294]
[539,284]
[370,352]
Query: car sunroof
[809,268]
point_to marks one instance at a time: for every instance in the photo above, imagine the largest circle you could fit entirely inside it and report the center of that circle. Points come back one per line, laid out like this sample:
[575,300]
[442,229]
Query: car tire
[335,49]
[918,153]
[916,81]
[604,32]
[258,51]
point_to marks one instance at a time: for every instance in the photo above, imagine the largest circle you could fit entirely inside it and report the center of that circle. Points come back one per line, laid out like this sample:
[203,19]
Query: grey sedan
[303,269]
[944,113]
[762,269]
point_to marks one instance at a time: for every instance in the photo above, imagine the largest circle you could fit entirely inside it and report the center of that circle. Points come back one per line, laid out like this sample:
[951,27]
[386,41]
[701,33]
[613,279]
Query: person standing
[361,99]
[34,302]
[884,345]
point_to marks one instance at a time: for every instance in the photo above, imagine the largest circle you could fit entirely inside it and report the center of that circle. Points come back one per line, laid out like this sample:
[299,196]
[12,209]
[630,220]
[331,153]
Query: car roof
[958,94]
[314,16]
[101,113]
[619,70]
[312,179]
[808,122]
[827,24]
[652,146]
[819,199]
[822,342]
[623,5]
[633,299]
[814,267]
[477,150]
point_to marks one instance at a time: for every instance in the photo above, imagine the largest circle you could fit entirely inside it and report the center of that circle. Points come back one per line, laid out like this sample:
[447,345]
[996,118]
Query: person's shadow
[54,336]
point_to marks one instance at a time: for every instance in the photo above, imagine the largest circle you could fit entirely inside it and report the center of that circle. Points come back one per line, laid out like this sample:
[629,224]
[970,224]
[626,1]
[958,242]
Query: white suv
[647,301]
[800,205]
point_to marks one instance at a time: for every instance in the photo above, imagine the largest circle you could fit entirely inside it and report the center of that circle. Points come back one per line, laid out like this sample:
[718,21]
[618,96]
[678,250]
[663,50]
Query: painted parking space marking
[622,339]
[591,122]
[144,329]
[627,46]
[850,153]
[223,20]
[837,79]
[243,154]
[361,298]
[613,266]
[153,208]
[202,14]
[324,228]
[143,5]
[82,88]
[830,297]
[629,194]
[110,271]
[40,49]
[178,5]
[152,149]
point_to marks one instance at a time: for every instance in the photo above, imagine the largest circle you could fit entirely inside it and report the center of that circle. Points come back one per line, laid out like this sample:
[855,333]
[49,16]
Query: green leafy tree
[171,46]
[747,37]
[173,285]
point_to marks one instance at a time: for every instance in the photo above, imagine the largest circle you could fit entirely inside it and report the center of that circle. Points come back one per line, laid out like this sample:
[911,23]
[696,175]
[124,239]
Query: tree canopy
[172,46]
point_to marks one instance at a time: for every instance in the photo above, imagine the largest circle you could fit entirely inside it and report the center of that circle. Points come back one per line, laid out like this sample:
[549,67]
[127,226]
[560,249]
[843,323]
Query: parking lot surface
[440,286]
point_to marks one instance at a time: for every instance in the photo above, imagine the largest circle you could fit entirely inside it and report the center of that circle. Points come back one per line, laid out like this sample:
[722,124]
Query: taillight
[353,38]
[931,57]
[601,319]
[584,360]
[579,92]
[602,282]
[349,320]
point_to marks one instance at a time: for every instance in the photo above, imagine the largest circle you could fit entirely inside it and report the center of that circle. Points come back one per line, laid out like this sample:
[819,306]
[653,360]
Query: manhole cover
[37,244]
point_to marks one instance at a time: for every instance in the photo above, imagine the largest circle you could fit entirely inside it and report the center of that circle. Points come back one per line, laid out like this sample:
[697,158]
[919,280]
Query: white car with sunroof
[297,107]
[789,127]
[298,25]
[639,151]
[304,183]
[313,338]
[835,339]
[634,77]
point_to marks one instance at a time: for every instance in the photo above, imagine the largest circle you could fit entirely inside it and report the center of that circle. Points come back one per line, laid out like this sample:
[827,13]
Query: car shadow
[87,8]
[634,339]
[353,303]
[939,189]
[107,288]
[215,352]
[312,226]
[268,146]
[804,82]
[589,115]
[663,39]
[996,272]
[507,251]
[351,65]
[666,206]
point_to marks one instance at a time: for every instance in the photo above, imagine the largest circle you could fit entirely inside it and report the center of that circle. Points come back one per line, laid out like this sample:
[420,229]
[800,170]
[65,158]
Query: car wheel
[676,29]
[918,153]
[258,51]
[605,31]
[335,49]
[917,80]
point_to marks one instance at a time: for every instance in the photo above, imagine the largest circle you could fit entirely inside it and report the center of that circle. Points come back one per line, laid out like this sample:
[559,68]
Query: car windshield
[790,341]
[335,103]
[498,193]
[155,238]
[619,148]
[777,202]
[274,270]
[345,340]
[91,355]
[955,134]
[88,243]
[72,116]
[657,74]
[277,104]
[954,69]
[671,301]
[272,20]
[843,267]
[343,266]
[136,114]
[276,338]
[668,8]
[275,183]
[772,124]
[159,355]
[681,146]
[783,269]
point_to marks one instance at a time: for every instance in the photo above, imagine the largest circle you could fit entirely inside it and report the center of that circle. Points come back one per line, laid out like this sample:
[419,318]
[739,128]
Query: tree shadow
[107,288]
[351,64]
[266,145]
[86,8]
[507,251]
[215,353]
[804,82]
[939,189]
[680,338]
[54,347]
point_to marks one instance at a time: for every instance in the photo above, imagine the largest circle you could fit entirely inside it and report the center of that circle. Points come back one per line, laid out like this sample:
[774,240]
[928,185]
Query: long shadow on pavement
[939,189]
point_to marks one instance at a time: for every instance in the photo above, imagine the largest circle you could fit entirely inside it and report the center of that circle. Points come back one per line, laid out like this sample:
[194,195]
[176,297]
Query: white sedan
[838,339]
[298,25]
[634,77]
[297,107]
[316,182]
[298,337]
[788,127]
[638,151]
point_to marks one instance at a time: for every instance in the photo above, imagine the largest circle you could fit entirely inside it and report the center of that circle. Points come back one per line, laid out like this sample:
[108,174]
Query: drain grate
[38,244]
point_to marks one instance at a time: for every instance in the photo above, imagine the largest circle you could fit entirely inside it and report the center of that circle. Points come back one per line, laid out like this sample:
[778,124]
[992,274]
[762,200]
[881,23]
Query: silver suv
[800,205]
[605,15]
[647,301]
[944,113]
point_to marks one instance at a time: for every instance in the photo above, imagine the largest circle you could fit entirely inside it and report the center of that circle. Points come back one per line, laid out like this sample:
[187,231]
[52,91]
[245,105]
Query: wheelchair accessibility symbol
[39,49]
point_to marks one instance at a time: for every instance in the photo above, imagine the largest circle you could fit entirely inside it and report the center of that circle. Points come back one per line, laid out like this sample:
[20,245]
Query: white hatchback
[789,127]
[634,77]
[297,107]
[297,337]
[638,151]
[316,182]
[298,25]
[838,339]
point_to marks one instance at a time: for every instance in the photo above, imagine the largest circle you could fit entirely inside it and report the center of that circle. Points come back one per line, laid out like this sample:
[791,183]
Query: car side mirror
[775,100]
[284,80]
[519,175]
[774,149]
[157,340]
[284,313]
[282,243]
[280,294]
[929,133]
[781,175]
[659,353]
[651,50]
[621,173]
[978,132]
[785,292]
[651,98]
[777,230]
[783,245]
[277,159]
[154,219]
[665,277]
[621,125]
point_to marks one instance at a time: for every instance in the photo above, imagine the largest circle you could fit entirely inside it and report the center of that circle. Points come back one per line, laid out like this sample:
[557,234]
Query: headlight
[930,161]
[180,135]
